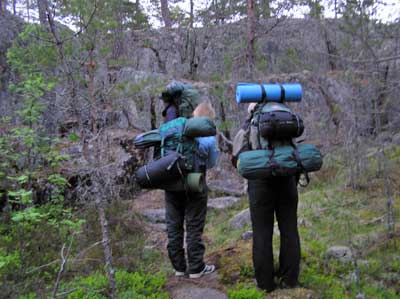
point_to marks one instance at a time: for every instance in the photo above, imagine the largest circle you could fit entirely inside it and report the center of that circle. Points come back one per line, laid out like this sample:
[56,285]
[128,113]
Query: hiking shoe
[207,270]
[179,273]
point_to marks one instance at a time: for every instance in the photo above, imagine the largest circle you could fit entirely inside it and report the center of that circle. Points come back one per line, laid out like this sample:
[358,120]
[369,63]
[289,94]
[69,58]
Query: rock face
[341,253]
[204,52]
[222,203]
[240,220]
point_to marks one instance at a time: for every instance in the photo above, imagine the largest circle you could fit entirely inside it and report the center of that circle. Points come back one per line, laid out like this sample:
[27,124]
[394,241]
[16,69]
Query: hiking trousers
[186,209]
[275,196]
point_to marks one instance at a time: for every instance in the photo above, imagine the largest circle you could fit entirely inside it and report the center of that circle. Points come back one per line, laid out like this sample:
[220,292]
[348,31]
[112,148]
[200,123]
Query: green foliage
[128,285]
[34,223]
[9,262]
[243,292]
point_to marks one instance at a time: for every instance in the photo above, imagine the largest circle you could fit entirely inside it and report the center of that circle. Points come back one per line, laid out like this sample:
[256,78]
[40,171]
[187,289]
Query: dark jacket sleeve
[170,113]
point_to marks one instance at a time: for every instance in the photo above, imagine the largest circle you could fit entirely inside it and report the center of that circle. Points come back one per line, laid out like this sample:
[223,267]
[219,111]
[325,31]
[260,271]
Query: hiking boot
[207,270]
[179,273]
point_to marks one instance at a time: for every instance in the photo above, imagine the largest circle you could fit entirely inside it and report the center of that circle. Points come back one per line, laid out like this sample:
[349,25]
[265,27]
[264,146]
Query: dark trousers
[277,196]
[191,209]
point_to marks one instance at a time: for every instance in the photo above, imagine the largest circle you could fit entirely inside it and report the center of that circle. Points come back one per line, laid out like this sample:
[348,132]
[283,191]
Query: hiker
[278,196]
[185,207]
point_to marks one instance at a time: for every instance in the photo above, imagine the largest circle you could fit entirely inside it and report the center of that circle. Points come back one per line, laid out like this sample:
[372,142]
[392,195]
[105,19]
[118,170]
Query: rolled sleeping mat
[147,139]
[252,92]
[161,171]
[200,127]
[283,161]
[194,181]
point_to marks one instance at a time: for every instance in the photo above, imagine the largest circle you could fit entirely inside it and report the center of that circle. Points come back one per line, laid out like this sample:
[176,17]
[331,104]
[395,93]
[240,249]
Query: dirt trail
[150,204]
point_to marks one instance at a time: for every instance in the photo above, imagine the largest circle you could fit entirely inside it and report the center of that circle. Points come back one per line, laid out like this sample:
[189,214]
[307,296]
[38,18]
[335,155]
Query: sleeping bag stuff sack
[281,161]
[148,139]
[199,127]
[162,171]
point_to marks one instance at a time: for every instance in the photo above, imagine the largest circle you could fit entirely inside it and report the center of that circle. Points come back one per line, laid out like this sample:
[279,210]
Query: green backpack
[278,156]
[179,135]
[173,139]
[186,97]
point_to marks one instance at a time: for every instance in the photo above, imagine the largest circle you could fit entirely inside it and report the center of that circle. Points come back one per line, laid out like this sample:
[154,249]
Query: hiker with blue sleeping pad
[187,148]
[266,154]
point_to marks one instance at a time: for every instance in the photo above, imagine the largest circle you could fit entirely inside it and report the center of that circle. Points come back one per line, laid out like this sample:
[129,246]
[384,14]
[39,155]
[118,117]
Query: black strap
[258,122]
[173,162]
[283,93]
[298,160]
[263,93]
[147,176]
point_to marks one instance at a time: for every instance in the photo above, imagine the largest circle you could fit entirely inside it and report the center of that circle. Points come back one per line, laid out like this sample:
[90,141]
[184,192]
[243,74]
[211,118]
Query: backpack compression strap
[297,159]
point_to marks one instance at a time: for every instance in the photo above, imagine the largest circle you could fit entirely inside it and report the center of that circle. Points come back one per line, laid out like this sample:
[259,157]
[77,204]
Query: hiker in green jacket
[186,211]
[269,197]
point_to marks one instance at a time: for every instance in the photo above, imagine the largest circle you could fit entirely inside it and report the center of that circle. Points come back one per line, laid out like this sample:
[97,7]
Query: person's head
[204,110]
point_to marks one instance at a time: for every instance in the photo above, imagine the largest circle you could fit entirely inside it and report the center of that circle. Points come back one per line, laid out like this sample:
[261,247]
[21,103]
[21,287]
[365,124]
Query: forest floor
[346,248]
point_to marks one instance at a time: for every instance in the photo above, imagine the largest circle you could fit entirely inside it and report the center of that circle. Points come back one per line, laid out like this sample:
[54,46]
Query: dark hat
[165,96]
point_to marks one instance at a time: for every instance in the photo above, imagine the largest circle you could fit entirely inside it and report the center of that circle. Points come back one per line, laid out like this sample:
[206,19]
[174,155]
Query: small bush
[128,285]
[246,293]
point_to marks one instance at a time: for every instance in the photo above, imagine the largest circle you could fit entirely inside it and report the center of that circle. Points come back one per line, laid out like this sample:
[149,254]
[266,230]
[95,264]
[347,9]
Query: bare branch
[224,137]
[64,259]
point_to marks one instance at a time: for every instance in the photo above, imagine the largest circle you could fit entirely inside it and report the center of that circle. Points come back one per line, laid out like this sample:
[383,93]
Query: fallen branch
[64,259]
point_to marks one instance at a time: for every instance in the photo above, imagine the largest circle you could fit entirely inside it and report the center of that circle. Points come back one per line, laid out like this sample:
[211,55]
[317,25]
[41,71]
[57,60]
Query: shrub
[246,293]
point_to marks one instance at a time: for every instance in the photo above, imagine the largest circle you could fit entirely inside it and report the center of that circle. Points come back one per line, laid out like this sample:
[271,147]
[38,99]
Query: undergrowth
[331,213]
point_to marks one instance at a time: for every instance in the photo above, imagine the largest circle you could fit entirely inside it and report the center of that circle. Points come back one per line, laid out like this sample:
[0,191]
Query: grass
[334,214]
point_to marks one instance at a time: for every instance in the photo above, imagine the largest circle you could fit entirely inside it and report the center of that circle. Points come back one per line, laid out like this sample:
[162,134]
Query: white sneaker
[179,273]
[207,270]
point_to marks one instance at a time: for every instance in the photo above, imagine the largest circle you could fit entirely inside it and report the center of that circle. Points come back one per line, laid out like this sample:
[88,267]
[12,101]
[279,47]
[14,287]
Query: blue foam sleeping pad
[252,92]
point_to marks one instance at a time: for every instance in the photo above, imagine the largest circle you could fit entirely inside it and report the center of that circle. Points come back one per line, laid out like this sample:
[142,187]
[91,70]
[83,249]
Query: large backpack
[173,139]
[278,154]
[185,96]
[176,166]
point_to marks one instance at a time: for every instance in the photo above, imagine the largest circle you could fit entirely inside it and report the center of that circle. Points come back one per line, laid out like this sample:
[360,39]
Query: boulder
[221,203]
[247,235]
[226,187]
[340,253]
[240,220]
[154,215]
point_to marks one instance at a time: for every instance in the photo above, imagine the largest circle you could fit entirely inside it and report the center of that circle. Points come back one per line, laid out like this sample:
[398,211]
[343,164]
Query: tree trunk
[166,14]
[107,248]
[251,37]
[43,7]
[3,6]
[191,17]
[28,10]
